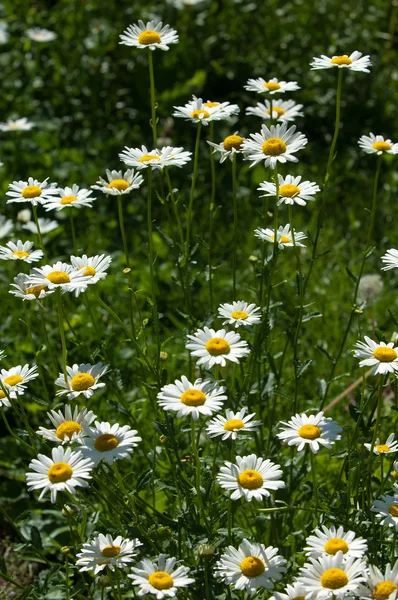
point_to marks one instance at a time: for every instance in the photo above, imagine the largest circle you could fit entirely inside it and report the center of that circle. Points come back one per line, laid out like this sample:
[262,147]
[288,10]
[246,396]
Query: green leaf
[35,538]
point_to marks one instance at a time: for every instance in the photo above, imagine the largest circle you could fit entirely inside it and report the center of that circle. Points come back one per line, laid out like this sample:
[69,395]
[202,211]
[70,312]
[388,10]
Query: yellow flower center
[81,382]
[383,146]
[193,398]
[334,545]
[12,380]
[217,346]
[252,566]
[58,277]
[119,184]
[149,37]
[211,104]
[250,479]
[233,141]
[161,580]
[36,289]
[272,86]
[309,432]
[274,147]
[288,190]
[2,394]
[106,442]
[59,471]
[285,239]
[299,598]
[341,60]
[20,254]
[239,314]
[149,157]
[110,551]
[384,354]
[383,590]
[383,448]
[89,271]
[233,424]
[276,109]
[393,510]
[198,113]
[67,429]
[31,191]
[395,475]
[68,199]
[334,579]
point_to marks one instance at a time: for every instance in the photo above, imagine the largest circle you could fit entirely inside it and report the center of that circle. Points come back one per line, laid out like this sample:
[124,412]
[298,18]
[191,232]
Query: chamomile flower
[186,398]
[94,267]
[46,225]
[284,236]
[291,190]
[382,357]
[14,380]
[330,577]
[69,197]
[160,578]
[250,566]
[81,379]
[66,470]
[381,586]
[271,86]
[216,347]
[240,313]
[59,275]
[329,541]
[119,183]
[68,425]
[32,191]
[6,226]
[376,144]
[281,111]
[142,158]
[277,143]
[17,125]
[315,431]
[25,290]
[386,510]
[198,111]
[105,551]
[293,591]
[232,425]
[108,442]
[390,259]
[152,35]
[37,34]
[251,477]
[390,446]
[354,62]
[231,146]
[20,251]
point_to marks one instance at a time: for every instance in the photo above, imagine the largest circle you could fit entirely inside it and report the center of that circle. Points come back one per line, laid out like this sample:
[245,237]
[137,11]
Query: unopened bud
[205,550]
[164,533]
[67,511]
[163,439]
[253,258]
[127,270]
[104,581]
[65,549]
[163,356]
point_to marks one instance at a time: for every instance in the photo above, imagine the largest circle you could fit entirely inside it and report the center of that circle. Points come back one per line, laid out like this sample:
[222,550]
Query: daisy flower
[231,145]
[81,379]
[37,34]
[272,86]
[6,226]
[354,62]
[119,183]
[382,357]
[314,431]
[94,267]
[68,425]
[390,446]
[284,236]
[152,35]
[251,477]
[46,225]
[59,275]
[216,347]
[181,4]
[20,251]
[105,551]
[198,111]
[386,510]
[14,380]
[331,577]
[160,578]
[142,158]
[291,190]
[240,313]
[250,566]
[232,425]
[381,586]
[185,398]
[69,197]
[174,157]
[17,125]
[332,540]
[281,111]
[66,470]
[32,191]
[277,143]
[390,259]
[25,290]
[108,442]
[294,591]
[376,144]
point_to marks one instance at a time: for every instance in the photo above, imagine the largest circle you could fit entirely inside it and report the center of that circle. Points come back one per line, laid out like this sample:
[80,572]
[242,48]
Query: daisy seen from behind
[81,379]
[33,191]
[240,313]
[274,144]
[105,551]
[291,190]
[118,182]
[284,236]
[195,399]
[232,425]
[315,431]
[108,442]
[59,276]
[69,197]
[216,347]
[25,290]
[46,226]
[282,111]
[14,380]
[251,477]
[381,586]
[151,35]
[17,125]
[271,86]
[68,425]
[354,62]
[161,577]
[390,446]
[20,251]
[386,509]
[94,267]
[329,541]
[376,144]
[381,356]
[228,148]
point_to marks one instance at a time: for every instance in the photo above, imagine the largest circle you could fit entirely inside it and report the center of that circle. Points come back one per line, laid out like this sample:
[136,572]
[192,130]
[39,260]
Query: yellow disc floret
[199,114]
[211,104]
[81,382]
[239,314]
[341,60]
[67,429]
[288,190]
[384,354]
[161,580]
[233,424]
[12,380]
[106,442]
[217,346]
[2,394]
[148,37]
[36,290]
[193,398]
[20,254]
[272,86]
[384,589]
[59,471]
[279,111]
[285,239]
[393,510]
[274,147]
[335,545]
[68,199]
[233,141]
[119,184]
[110,551]
[334,579]
[58,277]
[383,146]
[382,448]
[31,191]
[250,479]
[148,157]
[88,271]
[252,566]
[309,432]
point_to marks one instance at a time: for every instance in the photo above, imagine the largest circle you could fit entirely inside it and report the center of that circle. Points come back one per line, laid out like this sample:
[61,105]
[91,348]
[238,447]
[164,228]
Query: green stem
[375,431]
[211,216]
[34,208]
[62,334]
[72,228]
[66,577]
[315,487]
[153,103]
[197,472]
[191,196]
[126,255]
[276,248]
[235,230]
[300,316]
[151,273]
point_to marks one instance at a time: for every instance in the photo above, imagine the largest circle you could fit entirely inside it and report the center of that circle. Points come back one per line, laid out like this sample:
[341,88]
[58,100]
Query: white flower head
[251,477]
[14,380]
[272,86]
[32,191]
[69,197]
[59,275]
[45,225]
[282,111]
[251,566]
[291,190]
[284,236]
[119,183]
[198,111]
[142,158]
[68,425]
[25,290]
[94,267]
[273,145]
[6,226]
[216,347]
[391,445]
[382,357]
[66,470]
[105,551]
[293,591]
[329,541]
[37,34]
[315,431]
[228,148]
[381,586]
[233,425]
[81,379]
[20,251]
[390,259]
[240,313]
[108,442]
[386,510]
[152,35]
[195,399]
[354,62]
[160,578]
[376,144]
[17,125]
